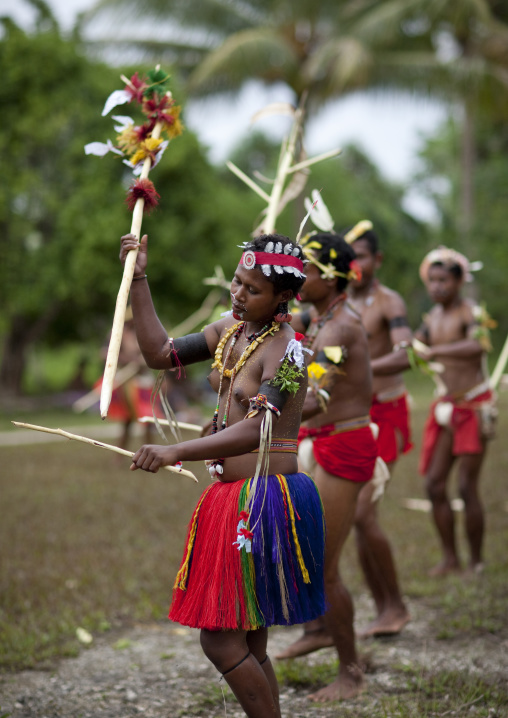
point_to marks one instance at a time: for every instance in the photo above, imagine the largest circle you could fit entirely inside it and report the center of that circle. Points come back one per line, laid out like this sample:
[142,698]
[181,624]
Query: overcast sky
[388,129]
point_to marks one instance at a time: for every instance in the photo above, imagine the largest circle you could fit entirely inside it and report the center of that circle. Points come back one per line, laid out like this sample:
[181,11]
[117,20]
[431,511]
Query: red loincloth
[392,418]
[464,426]
[349,454]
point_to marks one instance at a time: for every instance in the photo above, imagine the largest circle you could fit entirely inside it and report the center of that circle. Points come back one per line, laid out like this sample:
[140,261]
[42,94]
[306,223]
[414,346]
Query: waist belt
[281,446]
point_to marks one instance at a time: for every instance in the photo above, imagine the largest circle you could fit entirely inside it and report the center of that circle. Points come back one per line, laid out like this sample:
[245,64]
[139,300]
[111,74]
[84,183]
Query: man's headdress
[448,258]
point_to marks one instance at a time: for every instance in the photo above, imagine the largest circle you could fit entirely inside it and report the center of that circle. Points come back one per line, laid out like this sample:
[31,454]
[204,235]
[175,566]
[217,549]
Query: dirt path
[158,670]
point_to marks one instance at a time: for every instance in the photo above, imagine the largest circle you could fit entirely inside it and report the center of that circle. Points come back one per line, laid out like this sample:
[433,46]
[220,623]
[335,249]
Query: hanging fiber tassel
[142,189]
[279,582]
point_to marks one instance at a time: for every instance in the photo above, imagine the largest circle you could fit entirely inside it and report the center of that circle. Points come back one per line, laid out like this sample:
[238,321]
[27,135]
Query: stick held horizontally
[100,444]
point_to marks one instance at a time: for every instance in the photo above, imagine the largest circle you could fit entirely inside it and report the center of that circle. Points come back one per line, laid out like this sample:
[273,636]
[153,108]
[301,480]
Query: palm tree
[317,49]
[466,67]
[456,50]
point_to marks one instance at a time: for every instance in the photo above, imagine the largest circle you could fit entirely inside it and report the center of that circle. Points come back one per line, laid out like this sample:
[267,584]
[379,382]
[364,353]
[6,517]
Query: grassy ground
[84,542]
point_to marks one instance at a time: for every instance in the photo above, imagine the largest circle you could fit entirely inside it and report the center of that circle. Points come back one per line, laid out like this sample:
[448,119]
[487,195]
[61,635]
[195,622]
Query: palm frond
[258,53]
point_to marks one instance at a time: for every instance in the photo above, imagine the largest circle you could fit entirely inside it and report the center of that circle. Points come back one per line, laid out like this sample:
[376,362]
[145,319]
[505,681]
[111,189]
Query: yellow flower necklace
[215,466]
[217,364]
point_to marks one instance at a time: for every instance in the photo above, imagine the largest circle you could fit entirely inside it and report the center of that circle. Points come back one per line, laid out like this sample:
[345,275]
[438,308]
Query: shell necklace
[215,466]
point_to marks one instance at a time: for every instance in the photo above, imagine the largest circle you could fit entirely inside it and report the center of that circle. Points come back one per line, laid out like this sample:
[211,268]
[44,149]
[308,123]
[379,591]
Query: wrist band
[141,276]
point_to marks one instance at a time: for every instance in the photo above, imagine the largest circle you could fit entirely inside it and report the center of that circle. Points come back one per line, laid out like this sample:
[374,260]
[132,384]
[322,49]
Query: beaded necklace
[255,339]
[317,322]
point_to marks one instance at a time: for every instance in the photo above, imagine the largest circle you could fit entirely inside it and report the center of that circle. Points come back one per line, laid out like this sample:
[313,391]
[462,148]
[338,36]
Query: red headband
[250,259]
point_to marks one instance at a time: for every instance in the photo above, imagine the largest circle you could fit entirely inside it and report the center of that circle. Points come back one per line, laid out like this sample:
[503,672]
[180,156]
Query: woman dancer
[254,550]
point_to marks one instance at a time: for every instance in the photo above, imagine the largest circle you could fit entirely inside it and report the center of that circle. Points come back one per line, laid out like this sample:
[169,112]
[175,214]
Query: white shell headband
[281,259]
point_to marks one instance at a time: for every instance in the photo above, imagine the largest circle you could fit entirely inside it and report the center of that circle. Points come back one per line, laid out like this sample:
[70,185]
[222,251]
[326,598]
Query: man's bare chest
[446,327]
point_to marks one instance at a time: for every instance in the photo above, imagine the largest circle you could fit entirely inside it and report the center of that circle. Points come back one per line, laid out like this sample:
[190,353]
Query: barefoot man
[463,418]
[336,439]
[384,317]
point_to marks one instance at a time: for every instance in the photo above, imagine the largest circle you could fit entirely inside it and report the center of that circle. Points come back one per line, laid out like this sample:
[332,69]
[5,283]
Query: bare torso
[444,326]
[261,365]
[351,395]
[374,310]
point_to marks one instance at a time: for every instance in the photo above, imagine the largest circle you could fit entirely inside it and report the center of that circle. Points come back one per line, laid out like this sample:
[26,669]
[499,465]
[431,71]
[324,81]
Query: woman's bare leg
[230,653]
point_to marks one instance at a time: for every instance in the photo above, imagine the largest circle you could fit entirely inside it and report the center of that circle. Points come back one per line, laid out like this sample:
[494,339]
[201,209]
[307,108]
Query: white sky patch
[388,129]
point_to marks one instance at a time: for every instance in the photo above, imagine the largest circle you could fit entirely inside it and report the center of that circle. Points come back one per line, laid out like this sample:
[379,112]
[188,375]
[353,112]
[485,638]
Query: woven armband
[269,398]
[190,349]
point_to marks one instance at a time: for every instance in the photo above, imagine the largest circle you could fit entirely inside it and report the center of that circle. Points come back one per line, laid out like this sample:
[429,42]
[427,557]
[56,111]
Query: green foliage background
[62,213]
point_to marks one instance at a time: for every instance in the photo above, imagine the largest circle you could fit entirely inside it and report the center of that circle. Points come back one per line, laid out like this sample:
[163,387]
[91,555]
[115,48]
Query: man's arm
[468,348]
[396,361]
[461,349]
[326,369]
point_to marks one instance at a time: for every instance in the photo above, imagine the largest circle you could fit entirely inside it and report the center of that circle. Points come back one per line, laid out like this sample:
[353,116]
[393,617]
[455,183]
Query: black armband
[397,322]
[190,349]
[268,397]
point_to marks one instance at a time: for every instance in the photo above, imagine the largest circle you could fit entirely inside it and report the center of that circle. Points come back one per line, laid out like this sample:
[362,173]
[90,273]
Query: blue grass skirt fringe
[222,585]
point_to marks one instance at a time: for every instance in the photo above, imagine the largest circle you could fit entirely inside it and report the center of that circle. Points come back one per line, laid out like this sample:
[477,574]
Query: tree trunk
[22,333]
[14,358]
[467,162]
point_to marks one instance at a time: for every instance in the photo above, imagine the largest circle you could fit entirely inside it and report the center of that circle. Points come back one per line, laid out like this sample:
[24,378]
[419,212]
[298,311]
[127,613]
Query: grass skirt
[221,586]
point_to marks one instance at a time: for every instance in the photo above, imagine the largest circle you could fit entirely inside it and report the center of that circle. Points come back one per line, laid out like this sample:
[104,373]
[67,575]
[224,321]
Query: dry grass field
[84,542]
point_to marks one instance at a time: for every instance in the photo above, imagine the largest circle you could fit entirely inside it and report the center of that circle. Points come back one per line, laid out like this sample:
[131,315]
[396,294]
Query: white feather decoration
[319,216]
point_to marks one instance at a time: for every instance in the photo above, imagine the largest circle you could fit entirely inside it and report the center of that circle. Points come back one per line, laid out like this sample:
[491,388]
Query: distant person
[132,398]
[462,420]
[342,451]
[384,317]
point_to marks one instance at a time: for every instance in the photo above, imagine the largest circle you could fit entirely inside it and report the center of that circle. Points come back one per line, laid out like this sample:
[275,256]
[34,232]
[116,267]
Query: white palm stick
[250,183]
[284,168]
[123,375]
[165,422]
[100,444]
[200,315]
[500,366]
[123,293]
[218,279]
[287,156]
[312,160]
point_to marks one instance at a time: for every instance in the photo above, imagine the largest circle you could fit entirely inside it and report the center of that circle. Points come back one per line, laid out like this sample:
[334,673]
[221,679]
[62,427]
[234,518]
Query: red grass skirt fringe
[279,582]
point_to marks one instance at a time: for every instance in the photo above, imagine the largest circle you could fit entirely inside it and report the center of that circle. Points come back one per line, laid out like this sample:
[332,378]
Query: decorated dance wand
[281,193]
[142,147]
[86,440]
